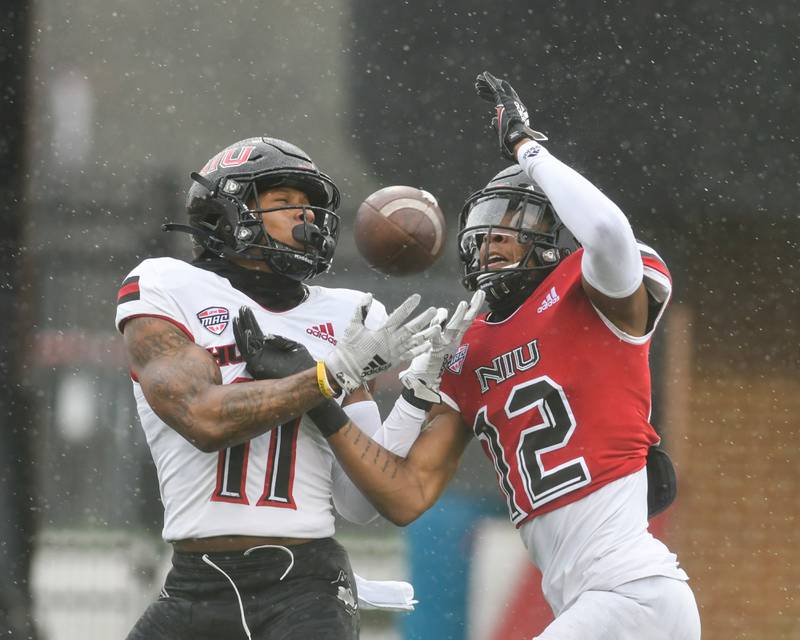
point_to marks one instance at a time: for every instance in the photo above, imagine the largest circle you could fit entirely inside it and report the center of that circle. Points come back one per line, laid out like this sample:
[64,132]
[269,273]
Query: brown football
[400,230]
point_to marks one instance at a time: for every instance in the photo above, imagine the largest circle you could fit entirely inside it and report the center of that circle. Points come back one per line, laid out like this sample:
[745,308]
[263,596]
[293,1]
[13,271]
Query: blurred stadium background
[684,112]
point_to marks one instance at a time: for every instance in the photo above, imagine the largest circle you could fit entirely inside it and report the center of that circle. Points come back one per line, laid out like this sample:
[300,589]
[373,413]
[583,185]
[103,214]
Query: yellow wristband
[322,381]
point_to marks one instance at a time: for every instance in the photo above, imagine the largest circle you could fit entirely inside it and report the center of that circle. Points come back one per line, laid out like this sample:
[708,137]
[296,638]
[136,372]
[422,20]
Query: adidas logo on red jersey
[322,331]
[549,300]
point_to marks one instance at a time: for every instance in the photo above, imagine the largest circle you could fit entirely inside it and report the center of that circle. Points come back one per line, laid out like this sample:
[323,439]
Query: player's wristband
[414,401]
[322,381]
[328,417]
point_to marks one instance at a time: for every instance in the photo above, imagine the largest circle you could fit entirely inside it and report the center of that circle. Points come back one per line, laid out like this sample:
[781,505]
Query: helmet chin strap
[503,304]
[504,295]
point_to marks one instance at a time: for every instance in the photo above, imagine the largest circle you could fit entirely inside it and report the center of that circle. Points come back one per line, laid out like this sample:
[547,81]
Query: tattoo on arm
[183,384]
[403,487]
[391,462]
[172,370]
[243,406]
[151,338]
[367,448]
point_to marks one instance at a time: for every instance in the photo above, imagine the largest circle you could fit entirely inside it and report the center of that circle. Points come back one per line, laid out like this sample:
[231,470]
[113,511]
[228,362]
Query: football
[400,230]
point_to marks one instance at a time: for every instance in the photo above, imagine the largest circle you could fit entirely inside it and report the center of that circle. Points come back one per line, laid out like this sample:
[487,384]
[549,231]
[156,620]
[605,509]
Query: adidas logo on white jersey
[549,300]
[322,331]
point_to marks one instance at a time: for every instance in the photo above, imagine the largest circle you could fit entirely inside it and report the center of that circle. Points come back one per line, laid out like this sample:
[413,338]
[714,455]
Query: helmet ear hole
[549,256]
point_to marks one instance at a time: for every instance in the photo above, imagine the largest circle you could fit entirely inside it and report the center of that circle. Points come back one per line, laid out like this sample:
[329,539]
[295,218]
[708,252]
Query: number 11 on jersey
[279,476]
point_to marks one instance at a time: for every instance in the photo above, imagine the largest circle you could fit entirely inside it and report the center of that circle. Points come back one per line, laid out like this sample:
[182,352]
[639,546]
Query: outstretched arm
[395,438]
[611,264]
[402,489]
[183,385]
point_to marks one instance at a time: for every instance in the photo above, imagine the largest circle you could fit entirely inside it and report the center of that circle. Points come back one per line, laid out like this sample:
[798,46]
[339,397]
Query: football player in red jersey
[554,383]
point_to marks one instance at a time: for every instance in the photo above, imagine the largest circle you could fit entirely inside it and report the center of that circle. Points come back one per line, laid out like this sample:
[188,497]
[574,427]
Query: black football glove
[271,357]
[510,120]
[268,356]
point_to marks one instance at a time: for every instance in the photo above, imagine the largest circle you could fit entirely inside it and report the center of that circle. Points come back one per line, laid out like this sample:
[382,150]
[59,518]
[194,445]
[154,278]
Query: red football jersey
[558,397]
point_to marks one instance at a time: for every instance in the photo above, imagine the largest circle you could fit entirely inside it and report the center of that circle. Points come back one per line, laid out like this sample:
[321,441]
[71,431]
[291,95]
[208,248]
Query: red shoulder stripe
[129,290]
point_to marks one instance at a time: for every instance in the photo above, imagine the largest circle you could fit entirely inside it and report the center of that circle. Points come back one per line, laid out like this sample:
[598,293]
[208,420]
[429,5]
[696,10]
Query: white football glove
[362,353]
[425,372]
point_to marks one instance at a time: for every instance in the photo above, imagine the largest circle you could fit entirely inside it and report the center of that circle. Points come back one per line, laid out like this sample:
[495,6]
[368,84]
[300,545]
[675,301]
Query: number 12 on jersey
[542,398]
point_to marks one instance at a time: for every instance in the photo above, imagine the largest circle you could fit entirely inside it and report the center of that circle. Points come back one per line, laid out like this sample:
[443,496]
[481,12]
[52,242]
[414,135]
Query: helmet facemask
[522,215]
[318,232]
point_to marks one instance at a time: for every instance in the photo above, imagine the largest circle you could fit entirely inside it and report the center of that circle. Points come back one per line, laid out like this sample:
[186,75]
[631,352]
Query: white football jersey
[278,484]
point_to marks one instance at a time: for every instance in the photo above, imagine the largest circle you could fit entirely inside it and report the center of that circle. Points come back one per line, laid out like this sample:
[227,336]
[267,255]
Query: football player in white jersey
[246,481]
[554,381]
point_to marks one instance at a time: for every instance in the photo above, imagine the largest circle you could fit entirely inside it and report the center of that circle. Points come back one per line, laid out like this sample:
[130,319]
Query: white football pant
[655,608]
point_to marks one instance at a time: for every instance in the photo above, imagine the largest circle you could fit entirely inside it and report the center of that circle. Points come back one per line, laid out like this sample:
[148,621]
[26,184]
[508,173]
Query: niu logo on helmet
[228,158]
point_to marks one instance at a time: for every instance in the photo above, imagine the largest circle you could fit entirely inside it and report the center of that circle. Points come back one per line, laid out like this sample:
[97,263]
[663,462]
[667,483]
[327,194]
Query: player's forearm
[385,478]
[236,413]
[216,416]
[183,385]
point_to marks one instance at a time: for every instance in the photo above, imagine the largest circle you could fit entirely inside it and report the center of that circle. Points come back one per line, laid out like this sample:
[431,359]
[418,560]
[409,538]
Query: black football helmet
[224,218]
[514,205]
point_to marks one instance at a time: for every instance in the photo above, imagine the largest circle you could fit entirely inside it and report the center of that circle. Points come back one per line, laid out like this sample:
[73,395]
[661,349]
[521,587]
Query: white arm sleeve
[348,500]
[611,260]
[401,427]
[397,433]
